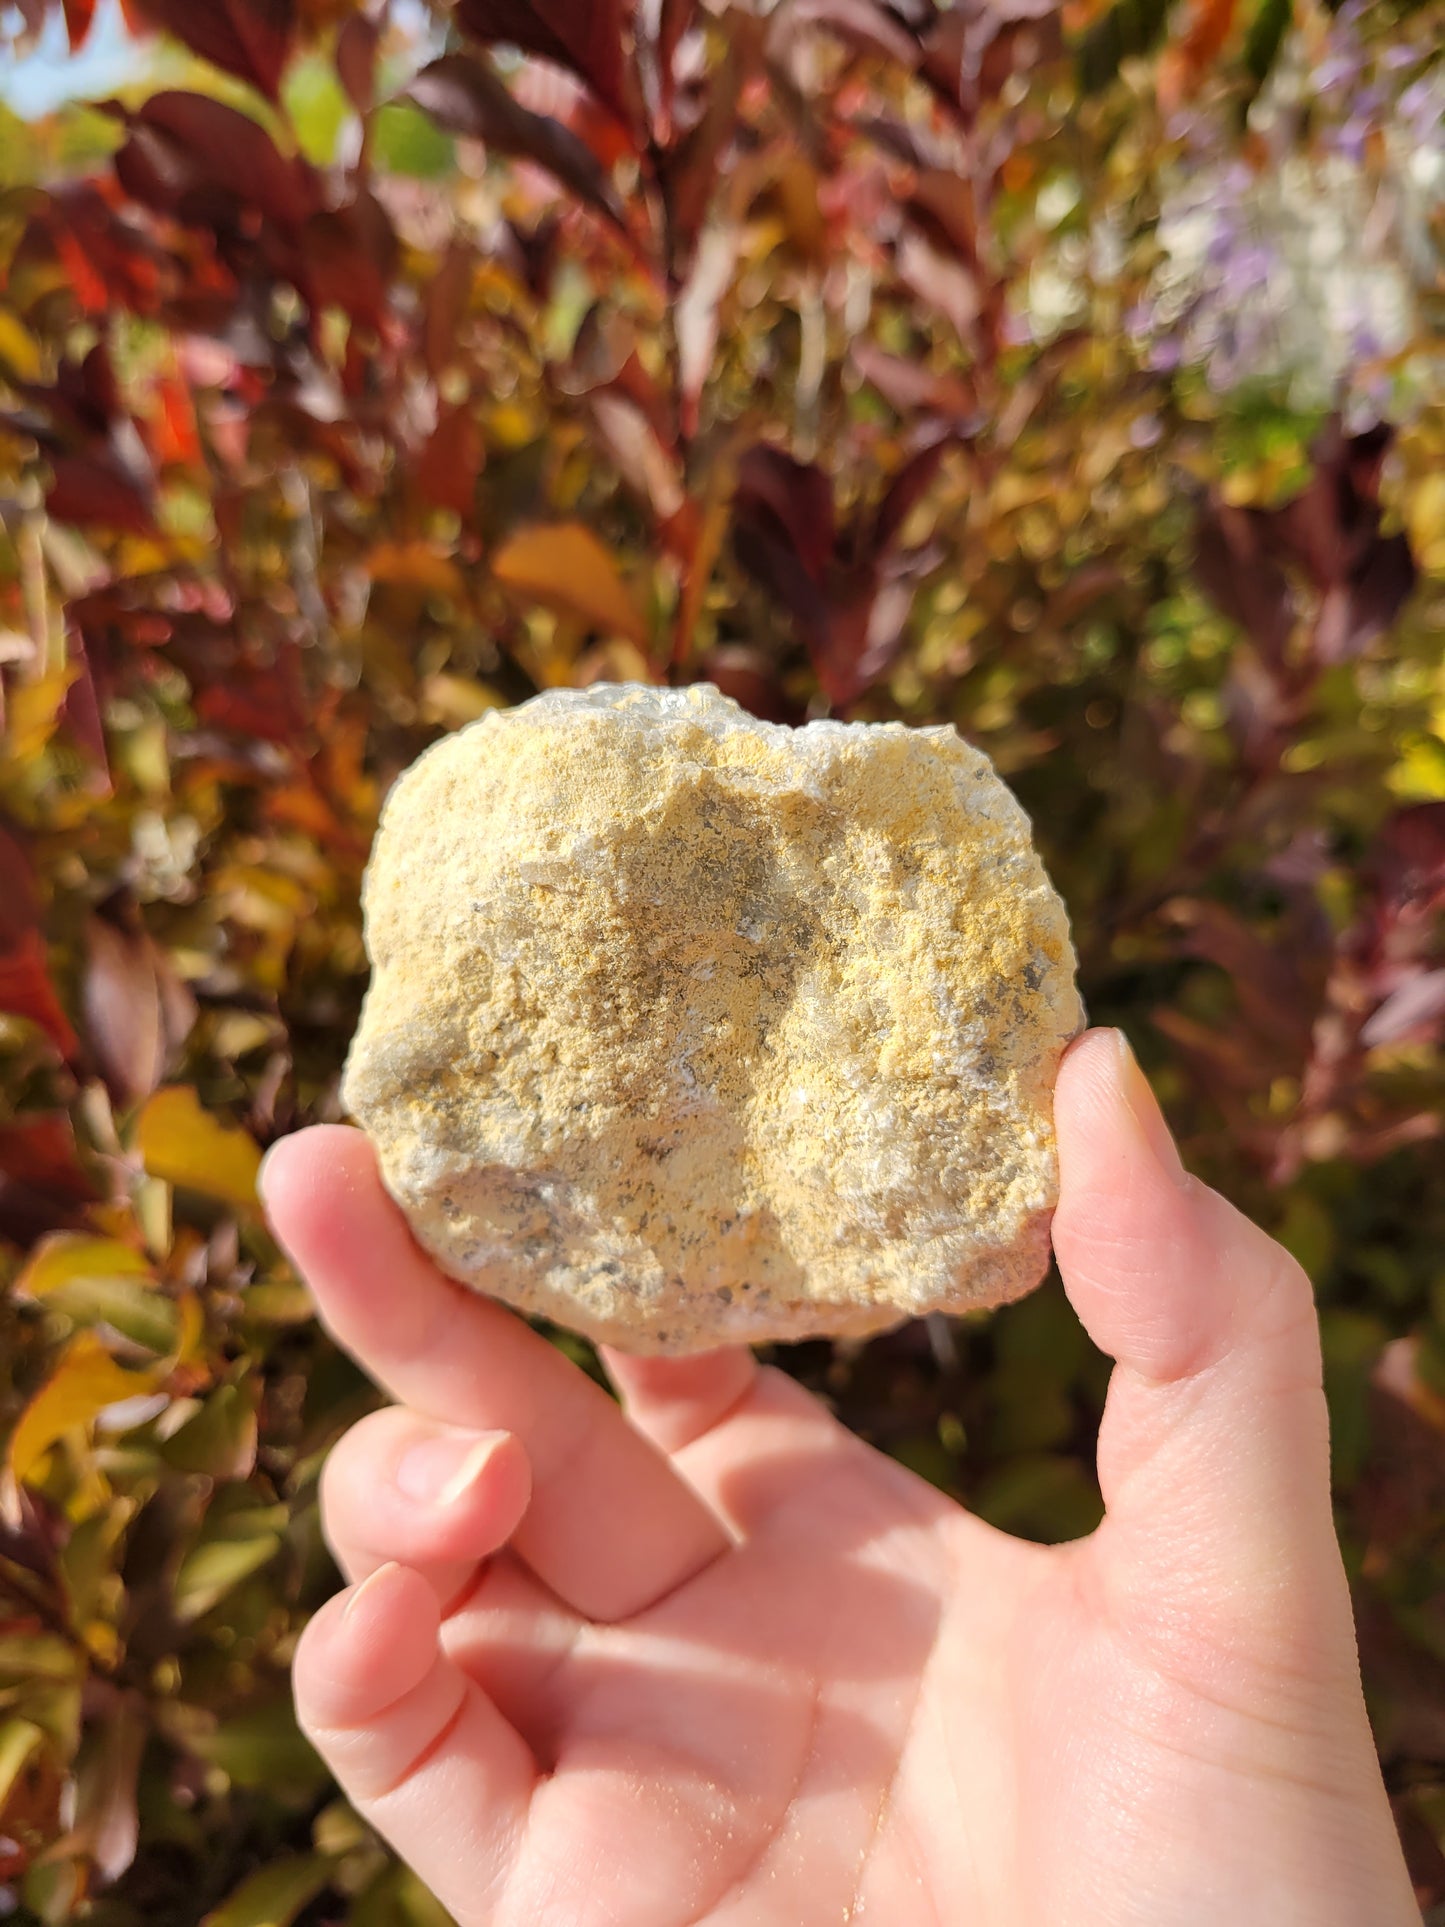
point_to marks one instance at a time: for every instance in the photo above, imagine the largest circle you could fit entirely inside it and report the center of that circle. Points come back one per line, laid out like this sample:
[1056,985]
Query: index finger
[610,1528]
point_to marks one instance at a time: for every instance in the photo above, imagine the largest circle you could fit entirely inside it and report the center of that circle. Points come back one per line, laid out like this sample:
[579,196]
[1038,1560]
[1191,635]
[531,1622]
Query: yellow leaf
[69,1258]
[86,1382]
[192,1328]
[18,347]
[33,713]
[20,1740]
[185,1145]
[1425,514]
[564,567]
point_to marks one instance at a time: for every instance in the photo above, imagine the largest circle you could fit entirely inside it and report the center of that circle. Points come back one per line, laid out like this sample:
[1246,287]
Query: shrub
[358,375]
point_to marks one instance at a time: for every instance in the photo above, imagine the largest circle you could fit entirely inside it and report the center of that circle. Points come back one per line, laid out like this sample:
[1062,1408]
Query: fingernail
[440,1471]
[373,1583]
[1143,1107]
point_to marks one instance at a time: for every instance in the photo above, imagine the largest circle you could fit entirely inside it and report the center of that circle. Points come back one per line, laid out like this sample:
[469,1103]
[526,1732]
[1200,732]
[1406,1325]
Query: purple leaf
[462,94]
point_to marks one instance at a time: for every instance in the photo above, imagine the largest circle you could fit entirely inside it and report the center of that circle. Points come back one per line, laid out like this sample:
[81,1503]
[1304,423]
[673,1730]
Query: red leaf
[95,490]
[350,256]
[945,205]
[973,49]
[41,1181]
[864,634]
[1408,863]
[673,22]
[904,492]
[1332,533]
[40,1191]
[446,471]
[862,23]
[789,498]
[356,46]
[1278,992]
[186,150]
[462,93]
[447,299]
[78,17]
[108,260]
[585,36]
[26,991]
[693,169]
[764,550]
[1234,561]
[19,904]
[174,439]
[907,385]
[251,38]
[136,1011]
[80,713]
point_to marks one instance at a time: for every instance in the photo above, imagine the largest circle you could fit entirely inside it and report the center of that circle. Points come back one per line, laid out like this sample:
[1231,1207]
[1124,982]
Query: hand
[710,1658]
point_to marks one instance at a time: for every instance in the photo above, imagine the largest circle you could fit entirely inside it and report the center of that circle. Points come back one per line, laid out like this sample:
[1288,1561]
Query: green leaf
[405,141]
[317,104]
[27,1657]
[264,1747]
[1130,28]
[398,1899]
[233,1543]
[274,1896]
[220,1440]
[134,1309]
[1266,36]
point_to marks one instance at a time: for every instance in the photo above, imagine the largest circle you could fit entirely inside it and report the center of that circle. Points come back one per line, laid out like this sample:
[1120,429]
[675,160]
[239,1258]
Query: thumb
[1214,1448]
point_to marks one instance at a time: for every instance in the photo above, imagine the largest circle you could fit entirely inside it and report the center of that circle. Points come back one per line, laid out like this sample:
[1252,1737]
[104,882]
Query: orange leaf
[1185,64]
[565,568]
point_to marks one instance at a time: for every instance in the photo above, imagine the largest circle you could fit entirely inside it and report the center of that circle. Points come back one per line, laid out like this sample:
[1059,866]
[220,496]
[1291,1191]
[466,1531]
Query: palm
[717,1661]
[757,1746]
[865,1713]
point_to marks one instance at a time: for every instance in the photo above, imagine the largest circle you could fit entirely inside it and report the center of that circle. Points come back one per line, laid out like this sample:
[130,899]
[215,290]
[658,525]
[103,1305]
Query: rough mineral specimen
[687,1029]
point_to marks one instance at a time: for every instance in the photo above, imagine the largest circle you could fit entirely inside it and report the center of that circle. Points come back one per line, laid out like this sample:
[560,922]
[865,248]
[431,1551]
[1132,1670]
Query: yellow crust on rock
[687,1029]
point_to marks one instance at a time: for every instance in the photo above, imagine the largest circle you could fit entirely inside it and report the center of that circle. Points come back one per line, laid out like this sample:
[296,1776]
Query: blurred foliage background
[1070,372]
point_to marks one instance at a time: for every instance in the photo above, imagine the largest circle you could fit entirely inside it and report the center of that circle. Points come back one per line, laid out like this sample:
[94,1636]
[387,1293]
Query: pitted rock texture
[687,1029]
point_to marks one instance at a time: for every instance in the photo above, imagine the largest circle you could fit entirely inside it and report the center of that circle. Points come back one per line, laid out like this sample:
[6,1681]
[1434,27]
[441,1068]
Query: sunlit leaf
[274,1896]
[85,1383]
[19,1742]
[565,568]
[186,1146]
[69,1258]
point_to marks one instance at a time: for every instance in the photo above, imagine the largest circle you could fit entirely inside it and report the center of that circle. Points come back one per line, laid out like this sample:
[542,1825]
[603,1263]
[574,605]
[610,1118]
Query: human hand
[710,1658]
